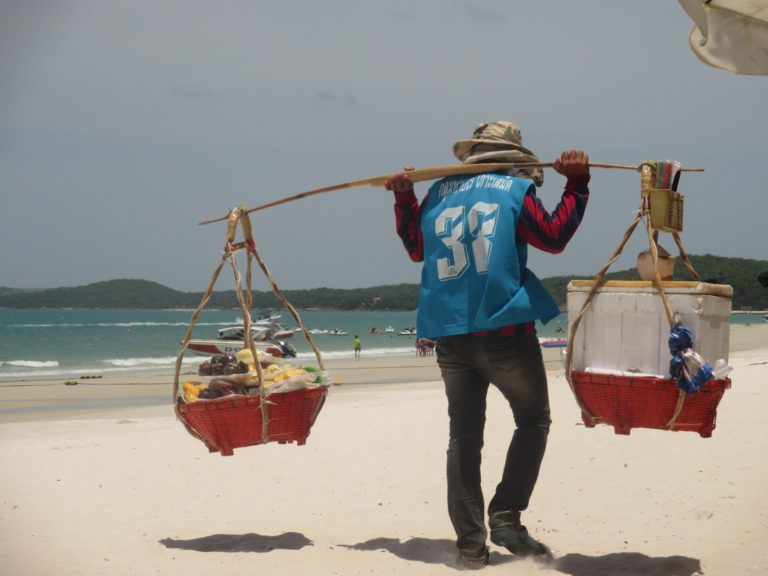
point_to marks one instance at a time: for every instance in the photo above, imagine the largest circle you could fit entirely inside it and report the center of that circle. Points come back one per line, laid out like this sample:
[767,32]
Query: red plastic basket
[235,422]
[627,402]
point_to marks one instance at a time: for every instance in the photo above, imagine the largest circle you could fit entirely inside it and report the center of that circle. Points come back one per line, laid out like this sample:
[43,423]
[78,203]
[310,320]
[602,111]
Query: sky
[125,123]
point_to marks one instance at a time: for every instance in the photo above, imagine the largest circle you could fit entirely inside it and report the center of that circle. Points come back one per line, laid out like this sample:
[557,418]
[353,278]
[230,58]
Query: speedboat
[265,315]
[553,342]
[337,332]
[278,349]
[230,340]
[260,332]
[408,332]
[274,330]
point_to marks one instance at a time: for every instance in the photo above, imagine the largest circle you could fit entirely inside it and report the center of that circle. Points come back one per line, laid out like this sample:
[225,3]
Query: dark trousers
[514,365]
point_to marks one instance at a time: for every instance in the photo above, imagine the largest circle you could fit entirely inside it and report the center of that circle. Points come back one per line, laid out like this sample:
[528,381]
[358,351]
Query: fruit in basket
[222,364]
[204,369]
[245,355]
[192,391]
[315,369]
[277,373]
[220,387]
[193,387]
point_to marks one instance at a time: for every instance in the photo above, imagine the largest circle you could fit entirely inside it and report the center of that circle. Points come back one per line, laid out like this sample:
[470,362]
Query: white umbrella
[730,34]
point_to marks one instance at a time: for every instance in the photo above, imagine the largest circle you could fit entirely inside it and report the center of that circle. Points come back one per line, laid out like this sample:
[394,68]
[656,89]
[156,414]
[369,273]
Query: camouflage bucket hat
[498,141]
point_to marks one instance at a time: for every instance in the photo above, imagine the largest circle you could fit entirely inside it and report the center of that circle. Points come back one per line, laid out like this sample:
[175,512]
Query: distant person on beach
[479,301]
[357,346]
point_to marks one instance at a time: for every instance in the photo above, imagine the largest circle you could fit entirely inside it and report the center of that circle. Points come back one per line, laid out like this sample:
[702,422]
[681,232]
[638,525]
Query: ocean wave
[31,363]
[32,370]
[152,362]
[115,366]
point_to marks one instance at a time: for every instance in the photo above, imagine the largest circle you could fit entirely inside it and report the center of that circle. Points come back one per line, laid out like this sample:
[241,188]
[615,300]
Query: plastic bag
[687,367]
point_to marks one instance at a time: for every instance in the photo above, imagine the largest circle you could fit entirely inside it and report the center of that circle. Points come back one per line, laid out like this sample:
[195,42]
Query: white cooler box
[625,328]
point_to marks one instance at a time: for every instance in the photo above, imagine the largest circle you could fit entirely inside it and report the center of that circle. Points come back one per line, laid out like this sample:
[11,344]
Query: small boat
[337,332]
[278,332]
[213,347]
[265,315]
[553,342]
[408,332]
[375,331]
[259,332]
[230,340]
[318,331]
[389,330]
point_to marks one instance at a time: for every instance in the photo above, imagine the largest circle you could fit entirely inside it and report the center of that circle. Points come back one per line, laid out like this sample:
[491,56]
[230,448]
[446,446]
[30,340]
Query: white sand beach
[100,478]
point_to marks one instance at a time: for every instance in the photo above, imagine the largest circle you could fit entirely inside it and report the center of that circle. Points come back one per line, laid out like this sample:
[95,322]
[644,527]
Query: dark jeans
[514,365]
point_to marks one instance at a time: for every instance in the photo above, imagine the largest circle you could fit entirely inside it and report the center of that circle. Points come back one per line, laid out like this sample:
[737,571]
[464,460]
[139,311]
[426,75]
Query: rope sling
[666,216]
[239,215]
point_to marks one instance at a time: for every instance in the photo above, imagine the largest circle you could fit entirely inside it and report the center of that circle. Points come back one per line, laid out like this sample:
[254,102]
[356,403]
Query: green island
[740,273]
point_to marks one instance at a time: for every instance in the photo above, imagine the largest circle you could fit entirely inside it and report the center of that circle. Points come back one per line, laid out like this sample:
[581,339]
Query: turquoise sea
[39,344]
[48,343]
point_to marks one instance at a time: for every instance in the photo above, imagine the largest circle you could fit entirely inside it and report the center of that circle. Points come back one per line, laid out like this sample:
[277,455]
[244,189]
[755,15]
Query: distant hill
[109,294]
[741,273]
[5,290]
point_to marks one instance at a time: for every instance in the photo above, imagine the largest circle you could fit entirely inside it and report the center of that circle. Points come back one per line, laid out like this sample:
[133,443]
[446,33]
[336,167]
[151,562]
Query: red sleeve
[407,215]
[552,231]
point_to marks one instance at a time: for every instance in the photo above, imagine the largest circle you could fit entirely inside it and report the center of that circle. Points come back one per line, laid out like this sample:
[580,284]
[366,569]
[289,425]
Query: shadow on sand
[627,564]
[429,551]
[240,542]
[443,551]
[432,551]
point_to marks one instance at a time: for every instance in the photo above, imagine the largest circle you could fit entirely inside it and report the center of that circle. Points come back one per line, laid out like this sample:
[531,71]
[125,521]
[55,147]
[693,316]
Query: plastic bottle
[721,369]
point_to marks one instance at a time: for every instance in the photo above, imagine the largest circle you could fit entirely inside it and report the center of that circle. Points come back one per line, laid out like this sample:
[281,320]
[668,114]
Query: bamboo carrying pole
[432,173]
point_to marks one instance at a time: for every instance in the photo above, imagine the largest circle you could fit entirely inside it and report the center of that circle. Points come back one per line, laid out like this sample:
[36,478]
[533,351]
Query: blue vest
[474,276]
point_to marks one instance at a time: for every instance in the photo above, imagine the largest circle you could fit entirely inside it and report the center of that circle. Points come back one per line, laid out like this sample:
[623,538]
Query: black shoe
[507,531]
[473,563]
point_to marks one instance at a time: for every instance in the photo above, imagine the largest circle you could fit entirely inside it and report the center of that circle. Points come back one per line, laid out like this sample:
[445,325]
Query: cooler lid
[644,286]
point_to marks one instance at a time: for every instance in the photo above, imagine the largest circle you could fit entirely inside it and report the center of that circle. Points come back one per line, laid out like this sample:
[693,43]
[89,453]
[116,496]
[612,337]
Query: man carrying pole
[480,302]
